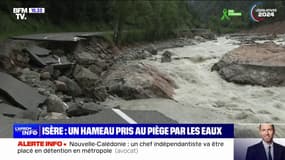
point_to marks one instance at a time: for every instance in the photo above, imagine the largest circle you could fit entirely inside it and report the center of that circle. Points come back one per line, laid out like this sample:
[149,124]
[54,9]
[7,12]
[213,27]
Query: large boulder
[203,34]
[257,64]
[166,56]
[85,78]
[99,67]
[85,58]
[33,78]
[55,115]
[12,57]
[138,81]
[95,54]
[90,83]
[84,109]
[152,49]
[72,88]
[55,104]
[30,77]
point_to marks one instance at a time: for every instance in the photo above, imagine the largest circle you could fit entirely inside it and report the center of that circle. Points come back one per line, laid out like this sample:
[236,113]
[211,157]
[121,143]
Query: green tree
[120,11]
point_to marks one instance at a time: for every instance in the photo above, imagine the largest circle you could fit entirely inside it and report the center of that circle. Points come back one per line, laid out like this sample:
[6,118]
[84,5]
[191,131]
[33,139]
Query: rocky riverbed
[182,79]
[202,95]
[68,77]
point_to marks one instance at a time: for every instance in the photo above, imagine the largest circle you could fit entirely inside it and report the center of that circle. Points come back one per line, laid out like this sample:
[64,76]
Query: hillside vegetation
[127,20]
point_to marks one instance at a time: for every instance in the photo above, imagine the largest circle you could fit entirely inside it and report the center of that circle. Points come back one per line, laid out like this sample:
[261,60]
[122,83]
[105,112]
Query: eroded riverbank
[203,96]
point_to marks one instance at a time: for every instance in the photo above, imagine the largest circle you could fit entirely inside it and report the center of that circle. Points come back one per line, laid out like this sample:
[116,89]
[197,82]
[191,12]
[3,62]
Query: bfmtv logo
[21,12]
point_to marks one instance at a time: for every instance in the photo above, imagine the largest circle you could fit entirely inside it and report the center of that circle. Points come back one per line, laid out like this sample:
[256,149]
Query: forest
[128,20]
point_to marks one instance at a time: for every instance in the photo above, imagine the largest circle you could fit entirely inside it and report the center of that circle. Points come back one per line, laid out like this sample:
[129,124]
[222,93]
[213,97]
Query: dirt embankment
[256,62]
[272,28]
[75,77]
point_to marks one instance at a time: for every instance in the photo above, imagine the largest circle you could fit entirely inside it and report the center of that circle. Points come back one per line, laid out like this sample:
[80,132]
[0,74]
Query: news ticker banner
[123,131]
[120,141]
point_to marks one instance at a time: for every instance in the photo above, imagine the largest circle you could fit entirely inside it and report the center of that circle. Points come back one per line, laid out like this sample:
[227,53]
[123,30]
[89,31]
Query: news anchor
[266,149]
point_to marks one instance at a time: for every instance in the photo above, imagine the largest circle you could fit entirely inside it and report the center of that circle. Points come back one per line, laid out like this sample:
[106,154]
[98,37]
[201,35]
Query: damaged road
[23,95]
[104,116]
[15,112]
[60,37]
[66,77]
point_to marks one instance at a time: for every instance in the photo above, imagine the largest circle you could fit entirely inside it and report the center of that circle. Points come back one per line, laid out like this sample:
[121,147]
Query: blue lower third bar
[123,130]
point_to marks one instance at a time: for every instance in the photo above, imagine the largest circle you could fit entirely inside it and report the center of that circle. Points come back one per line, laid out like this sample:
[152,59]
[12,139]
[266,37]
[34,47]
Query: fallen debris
[55,115]
[139,81]
[55,104]
[22,94]
[38,51]
[37,60]
[203,33]
[84,109]
[69,75]
[72,88]
[15,112]
[42,57]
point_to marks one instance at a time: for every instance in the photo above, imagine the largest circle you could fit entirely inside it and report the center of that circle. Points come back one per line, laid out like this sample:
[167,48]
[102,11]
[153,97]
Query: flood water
[203,96]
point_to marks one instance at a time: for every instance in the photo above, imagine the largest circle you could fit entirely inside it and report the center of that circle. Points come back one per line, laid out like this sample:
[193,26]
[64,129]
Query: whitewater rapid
[203,96]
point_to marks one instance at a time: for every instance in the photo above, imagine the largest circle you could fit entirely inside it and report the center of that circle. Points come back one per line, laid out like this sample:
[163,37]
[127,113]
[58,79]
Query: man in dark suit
[266,149]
